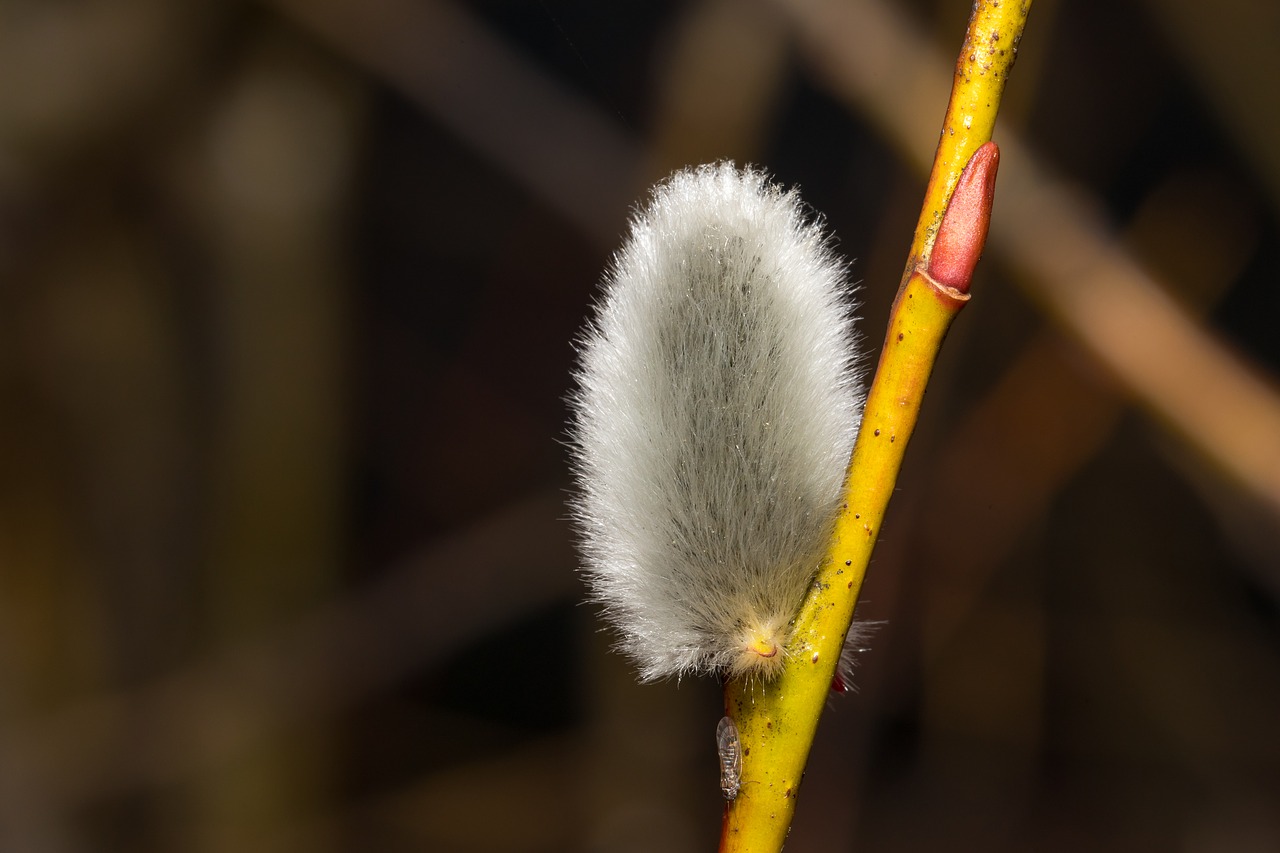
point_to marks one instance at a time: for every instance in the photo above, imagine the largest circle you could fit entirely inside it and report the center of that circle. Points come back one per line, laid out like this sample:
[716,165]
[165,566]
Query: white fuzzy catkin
[718,400]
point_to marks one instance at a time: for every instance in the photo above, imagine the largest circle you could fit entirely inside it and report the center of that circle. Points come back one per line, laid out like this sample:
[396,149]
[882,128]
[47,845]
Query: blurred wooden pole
[279,150]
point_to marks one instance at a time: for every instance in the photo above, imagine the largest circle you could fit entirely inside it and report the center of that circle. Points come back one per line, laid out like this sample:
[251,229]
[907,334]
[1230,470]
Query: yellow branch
[983,66]
[777,720]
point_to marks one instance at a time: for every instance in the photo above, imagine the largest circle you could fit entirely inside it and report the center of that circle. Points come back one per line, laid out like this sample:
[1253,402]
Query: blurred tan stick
[449,64]
[1185,377]
[221,707]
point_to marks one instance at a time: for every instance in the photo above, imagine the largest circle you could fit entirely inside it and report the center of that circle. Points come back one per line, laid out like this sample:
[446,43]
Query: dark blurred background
[287,295]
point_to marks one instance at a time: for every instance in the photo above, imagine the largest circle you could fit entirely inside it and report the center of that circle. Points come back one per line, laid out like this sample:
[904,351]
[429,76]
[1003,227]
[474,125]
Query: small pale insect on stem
[730,749]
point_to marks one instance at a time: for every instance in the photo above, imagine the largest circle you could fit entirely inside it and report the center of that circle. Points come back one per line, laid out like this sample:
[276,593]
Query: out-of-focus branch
[454,68]
[216,709]
[464,77]
[1182,375]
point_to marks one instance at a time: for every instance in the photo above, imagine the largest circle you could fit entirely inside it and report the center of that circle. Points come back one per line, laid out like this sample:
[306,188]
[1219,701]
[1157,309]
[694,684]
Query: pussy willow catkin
[717,404]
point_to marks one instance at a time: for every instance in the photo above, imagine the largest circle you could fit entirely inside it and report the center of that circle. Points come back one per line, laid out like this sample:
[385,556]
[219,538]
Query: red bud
[963,231]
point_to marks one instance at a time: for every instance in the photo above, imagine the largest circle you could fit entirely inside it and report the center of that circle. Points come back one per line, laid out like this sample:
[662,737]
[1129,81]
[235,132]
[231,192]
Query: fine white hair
[718,399]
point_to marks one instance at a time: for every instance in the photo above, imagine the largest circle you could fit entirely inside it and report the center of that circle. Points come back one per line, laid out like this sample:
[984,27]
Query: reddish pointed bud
[963,231]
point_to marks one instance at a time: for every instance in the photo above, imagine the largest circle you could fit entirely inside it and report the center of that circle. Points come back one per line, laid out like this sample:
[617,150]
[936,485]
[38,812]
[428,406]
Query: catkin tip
[762,652]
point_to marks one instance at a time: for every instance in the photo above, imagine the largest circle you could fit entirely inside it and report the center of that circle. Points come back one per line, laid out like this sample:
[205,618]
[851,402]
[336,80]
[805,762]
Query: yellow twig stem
[777,720]
[986,57]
